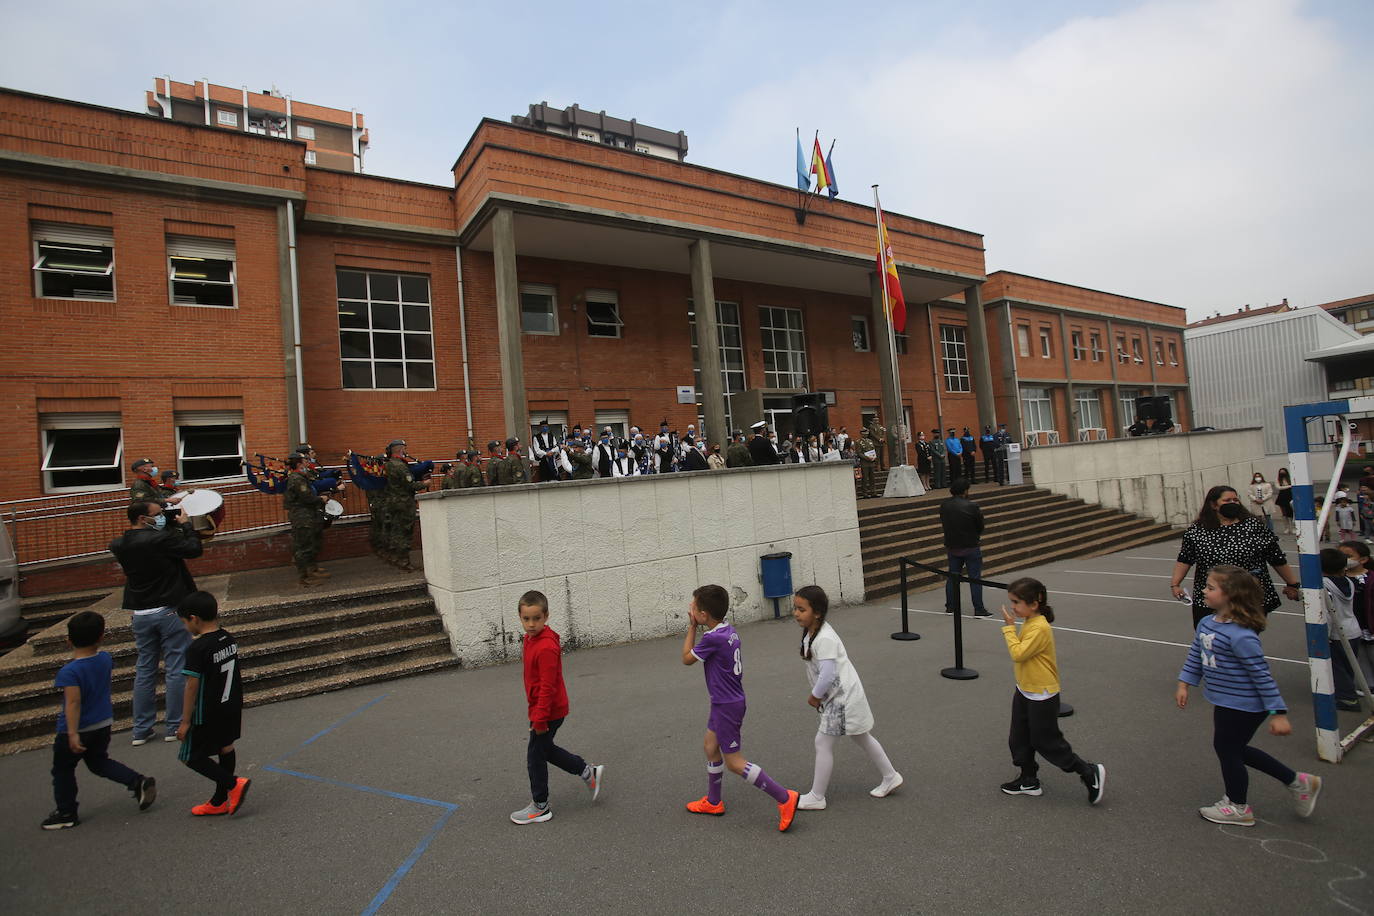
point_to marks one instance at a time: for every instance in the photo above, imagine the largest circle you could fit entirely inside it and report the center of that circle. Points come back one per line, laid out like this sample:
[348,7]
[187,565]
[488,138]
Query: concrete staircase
[289,648]
[1024,527]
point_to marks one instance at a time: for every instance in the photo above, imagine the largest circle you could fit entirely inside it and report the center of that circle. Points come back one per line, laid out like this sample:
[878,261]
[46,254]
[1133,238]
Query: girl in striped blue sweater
[1226,652]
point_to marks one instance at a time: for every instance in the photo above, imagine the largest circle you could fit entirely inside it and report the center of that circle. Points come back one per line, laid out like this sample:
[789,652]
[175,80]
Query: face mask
[152,471]
[1352,563]
[1232,510]
[159,522]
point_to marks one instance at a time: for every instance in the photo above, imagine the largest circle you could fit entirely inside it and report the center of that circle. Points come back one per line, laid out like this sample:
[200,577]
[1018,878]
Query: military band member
[868,460]
[544,451]
[303,510]
[737,455]
[623,464]
[877,434]
[399,506]
[494,458]
[939,475]
[146,487]
[471,473]
[604,453]
[579,462]
[454,473]
[511,469]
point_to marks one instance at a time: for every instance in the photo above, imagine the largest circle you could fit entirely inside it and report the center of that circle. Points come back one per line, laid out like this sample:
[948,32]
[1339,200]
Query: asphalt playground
[394,798]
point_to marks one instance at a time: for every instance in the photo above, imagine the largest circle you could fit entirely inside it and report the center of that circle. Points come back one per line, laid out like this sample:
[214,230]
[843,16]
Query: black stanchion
[958,672]
[905,633]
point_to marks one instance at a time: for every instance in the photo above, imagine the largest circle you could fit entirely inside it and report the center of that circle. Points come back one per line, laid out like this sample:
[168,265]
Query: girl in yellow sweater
[1035,703]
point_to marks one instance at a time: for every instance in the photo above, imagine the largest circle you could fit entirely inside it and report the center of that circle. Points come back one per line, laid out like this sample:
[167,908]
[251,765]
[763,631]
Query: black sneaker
[1096,781]
[59,821]
[1022,787]
[982,612]
[145,790]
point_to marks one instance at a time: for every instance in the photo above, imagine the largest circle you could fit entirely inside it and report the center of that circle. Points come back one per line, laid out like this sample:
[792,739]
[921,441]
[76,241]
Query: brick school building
[197,295]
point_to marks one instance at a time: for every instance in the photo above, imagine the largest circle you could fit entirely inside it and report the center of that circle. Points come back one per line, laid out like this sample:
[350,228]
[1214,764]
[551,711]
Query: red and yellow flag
[887,269]
[819,168]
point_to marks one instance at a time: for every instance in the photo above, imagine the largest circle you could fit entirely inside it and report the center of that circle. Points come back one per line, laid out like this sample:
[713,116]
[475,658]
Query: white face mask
[152,471]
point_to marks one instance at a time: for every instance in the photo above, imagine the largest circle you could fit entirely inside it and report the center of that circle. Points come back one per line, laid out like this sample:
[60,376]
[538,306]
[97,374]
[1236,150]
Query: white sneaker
[1305,791]
[1228,812]
[170,737]
[139,742]
[532,814]
[884,788]
[809,802]
[593,780]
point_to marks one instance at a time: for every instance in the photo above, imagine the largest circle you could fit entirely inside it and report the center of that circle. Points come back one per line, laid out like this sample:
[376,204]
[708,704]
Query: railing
[1041,437]
[75,525]
[1092,434]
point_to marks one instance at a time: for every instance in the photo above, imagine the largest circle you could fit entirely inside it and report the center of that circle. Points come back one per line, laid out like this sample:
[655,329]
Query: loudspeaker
[810,416]
[1154,408]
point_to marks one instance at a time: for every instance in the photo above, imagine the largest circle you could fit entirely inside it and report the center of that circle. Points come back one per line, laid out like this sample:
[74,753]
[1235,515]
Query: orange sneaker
[787,810]
[207,808]
[238,794]
[703,806]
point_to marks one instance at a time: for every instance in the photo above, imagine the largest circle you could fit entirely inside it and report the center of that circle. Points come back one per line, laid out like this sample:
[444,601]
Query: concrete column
[508,334]
[1116,387]
[1011,390]
[287,292]
[708,344]
[1069,402]
[887,367]
[979,360]
[1150,355]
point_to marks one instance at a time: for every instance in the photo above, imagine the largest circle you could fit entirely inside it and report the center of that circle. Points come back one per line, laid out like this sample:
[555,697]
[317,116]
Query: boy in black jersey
[214,704]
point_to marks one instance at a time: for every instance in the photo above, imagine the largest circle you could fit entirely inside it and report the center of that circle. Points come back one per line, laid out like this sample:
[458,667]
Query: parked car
[11,623]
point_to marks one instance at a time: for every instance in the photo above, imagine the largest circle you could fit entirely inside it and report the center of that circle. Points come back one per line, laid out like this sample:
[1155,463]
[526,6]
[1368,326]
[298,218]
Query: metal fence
[72,525]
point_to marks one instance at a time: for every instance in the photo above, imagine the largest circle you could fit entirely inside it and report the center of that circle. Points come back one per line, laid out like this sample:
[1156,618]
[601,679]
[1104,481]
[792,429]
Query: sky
[1203,153]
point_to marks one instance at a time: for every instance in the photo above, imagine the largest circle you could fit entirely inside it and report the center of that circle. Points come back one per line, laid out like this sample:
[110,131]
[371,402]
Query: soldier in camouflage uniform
[398,501]
[494,458]
[877,434]
[581,462]
[303,508]
[737,455]
[472,471]
[145,487]
[866,465]
[511,470]
[456,473]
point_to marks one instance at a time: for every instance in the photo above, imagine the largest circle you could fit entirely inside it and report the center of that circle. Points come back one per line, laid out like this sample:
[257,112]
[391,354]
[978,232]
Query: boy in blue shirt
[83,725]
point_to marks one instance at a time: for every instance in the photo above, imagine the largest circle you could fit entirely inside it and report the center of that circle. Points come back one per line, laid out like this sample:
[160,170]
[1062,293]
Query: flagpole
[891,328]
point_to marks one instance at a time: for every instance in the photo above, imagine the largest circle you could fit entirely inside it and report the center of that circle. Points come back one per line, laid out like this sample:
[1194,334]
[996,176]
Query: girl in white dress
[838,695]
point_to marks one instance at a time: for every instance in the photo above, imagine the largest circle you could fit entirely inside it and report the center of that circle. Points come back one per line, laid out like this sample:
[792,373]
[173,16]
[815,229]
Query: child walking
[1035,702]
[1338,593]
[214,694]
[548,707]
[1227,651]
[838,695]
[84,722]
[722,663]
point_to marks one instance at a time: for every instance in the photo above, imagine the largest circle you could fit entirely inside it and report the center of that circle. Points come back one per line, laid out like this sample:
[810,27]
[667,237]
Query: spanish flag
[820,168]
[887,269]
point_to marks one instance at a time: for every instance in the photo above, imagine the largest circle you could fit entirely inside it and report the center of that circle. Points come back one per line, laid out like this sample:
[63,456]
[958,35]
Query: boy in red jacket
[548,703]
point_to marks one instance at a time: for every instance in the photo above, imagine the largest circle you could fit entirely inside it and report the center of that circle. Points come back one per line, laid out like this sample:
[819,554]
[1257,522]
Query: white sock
[875,752]
[825,764]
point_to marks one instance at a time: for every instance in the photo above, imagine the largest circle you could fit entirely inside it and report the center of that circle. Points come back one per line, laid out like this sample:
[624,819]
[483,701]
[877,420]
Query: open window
[73,262]
[858,329]
[82,452]
[603,313]
[209,444]
[201,271]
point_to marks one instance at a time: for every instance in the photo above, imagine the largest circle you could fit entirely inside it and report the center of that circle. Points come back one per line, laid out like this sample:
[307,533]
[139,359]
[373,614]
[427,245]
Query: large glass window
[731,357]
[1128,396]
[1037,410]
[783,342]
[201,271]
[1089,406]
[1022,340]
[954,357]
[1095,339]
[538,309]
[82,452]
[209,446]
[73,262]
[386,338]
[603,313]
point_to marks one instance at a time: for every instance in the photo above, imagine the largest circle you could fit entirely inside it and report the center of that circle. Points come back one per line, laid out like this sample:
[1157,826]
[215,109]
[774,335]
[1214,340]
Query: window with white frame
[783,342]
[201,271]
[858,329]
[557,420]
[617,420]
[310,157]
[1077,339]
[305,132]
[1159,352]
[227,118]
[1046,350]
[1089,406]
[538,309]
[731,355]
[1037,410]
[603,313]
[209,444]
[73,262]
[1121,354]
[1095,344]
[386,337]
[1173,353]
[1128,396]
[1136,351]
[954,357]
[1022,340]
[82,452]
[585,134]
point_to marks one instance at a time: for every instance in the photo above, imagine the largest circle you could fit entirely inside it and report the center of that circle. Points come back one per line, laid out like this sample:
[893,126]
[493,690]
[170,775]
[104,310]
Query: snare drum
[204,511]
[333,509]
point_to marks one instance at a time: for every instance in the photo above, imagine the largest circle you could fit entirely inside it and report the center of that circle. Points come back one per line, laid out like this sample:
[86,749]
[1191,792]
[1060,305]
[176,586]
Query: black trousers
[97,760]
[540,753]
[970,464]
[1232,730]
[1035,730]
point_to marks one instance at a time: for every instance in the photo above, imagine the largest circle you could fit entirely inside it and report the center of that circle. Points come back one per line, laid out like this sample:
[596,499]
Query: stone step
[920,524]
[292,677]
[325,684]
[984,496]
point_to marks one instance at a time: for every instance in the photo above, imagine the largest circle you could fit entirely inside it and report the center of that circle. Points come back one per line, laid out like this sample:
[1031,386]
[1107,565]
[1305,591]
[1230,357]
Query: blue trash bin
[776,571]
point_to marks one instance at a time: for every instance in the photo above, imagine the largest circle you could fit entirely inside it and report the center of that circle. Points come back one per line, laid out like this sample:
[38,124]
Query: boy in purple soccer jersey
[719,652]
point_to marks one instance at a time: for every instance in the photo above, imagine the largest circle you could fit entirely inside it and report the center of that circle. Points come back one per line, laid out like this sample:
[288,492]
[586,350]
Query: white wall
[618,559]
[1160,477]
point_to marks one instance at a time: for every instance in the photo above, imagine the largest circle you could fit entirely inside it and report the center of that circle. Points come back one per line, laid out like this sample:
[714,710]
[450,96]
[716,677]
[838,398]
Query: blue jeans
[163,636]
[970,564]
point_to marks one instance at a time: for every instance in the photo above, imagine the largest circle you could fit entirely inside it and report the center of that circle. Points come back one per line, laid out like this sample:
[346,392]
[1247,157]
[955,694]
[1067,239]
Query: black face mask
[1232,511]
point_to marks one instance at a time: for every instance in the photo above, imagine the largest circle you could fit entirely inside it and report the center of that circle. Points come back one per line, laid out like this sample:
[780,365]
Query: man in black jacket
[153,554]
[760,449]
[962,522]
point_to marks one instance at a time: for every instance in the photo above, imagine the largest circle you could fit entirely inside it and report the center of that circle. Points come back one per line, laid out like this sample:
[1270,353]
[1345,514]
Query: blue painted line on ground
[371,790]
[405,866]
[317,736]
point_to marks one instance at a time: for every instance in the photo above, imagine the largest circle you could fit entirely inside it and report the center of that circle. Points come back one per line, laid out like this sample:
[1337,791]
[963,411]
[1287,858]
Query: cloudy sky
[1203,153]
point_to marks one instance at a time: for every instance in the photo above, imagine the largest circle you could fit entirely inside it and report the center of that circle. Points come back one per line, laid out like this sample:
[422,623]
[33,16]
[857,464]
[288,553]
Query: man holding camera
[153,555]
